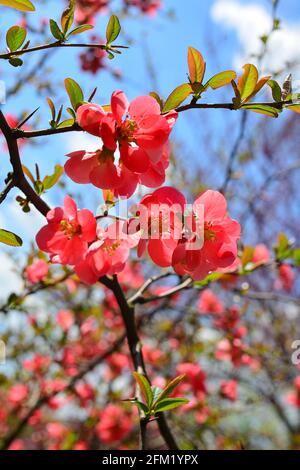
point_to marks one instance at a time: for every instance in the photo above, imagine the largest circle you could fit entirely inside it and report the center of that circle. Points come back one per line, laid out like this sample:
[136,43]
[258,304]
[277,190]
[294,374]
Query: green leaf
[51,180]
[196,65]
[276,90]
[177,97]
[259,85]
[213,277]
[55,30]
[170,404]
[221,79]
[145,388]
[262,109]
[10,238]
[247,82]
[15,37]
[75,92]
[80,29]
[21,5]
[144,408]
[66,123]
[170,387]
[52,108]
[294,107]
[113,29]
[247,255]
[157,98]
[67,17]
[296,256]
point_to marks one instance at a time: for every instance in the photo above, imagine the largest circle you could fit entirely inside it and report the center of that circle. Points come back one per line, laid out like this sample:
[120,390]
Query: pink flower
[195,376]
[228,389]
[219,243]
[65,319]
[93,59]
[37,271]
[293,398]
[108,255]
[210,303]
[286,277]
[68,233]
[114,424]
[261,254]
[159,224]
[140,132]
[17,394]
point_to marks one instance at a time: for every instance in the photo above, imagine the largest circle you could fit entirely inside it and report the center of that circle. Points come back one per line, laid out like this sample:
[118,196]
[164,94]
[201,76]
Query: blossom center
[70,227]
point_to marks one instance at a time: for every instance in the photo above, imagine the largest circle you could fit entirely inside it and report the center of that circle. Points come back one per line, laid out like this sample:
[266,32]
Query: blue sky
[221,29]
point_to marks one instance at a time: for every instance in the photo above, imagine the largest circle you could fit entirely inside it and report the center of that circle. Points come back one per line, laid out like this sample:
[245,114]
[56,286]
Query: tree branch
[58,44]
[134,343]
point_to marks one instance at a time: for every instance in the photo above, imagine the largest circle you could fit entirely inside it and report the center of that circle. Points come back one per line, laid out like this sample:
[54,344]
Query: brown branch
[134,343]
[58,44]
[18,178]
[6,190]
[186,284]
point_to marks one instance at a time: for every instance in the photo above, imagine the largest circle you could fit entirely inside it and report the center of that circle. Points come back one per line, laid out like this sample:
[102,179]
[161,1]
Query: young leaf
[140,405]
[28,173]
[144,387]
[52,108]
[75,92]
[294,107]
[51,180]
[259,85]
[170,404]
[66,123]
[196,65]
[15,61]
[10,238]
[15,37]
[80,29]
[177,97]
[169,388]
[221,79]
[21,5]
[67,17]
[262,109]
[113,29]
[247,82]
[276,90]
[56,32]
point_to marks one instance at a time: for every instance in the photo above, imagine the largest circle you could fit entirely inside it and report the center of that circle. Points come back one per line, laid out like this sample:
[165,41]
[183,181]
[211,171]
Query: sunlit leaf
[262,109]
[10,238]
[51,180]
[80,29]
[196,65]
[145,387]
[177,97]
[169,388]
[221,79]
[67,17]
[113,29]
[276,90]
[259,85]
[75,92]
[21,5]
[247,82]
[15,37]
[294,107]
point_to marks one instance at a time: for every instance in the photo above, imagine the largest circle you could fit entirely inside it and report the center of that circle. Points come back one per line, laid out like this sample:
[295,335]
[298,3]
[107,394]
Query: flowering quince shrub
[172,324]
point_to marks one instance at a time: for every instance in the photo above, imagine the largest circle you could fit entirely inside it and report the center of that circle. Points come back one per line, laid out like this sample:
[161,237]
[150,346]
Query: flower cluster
[140,134]
[87,9]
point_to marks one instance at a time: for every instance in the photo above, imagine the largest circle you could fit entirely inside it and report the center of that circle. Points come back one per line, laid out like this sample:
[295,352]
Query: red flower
[195,376]
[159,224]
[216,247]
[114,424]
[142,138]
[210,303]
[37,271]
[68,233]
[228,389]
[107,255]
[293,398]
[17,394]
[65,319]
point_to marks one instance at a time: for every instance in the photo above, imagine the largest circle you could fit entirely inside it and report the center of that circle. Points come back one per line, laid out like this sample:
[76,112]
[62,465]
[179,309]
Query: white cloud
[82,141]
[251,21]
